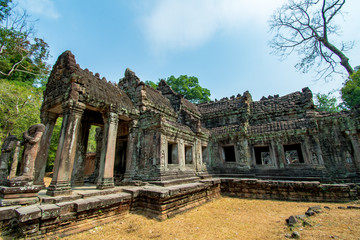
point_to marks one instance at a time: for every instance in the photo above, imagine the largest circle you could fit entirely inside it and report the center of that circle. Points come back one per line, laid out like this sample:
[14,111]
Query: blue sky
[223,43]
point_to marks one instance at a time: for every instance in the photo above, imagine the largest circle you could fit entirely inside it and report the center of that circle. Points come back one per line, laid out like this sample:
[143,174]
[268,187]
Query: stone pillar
[80,157]
[49,120]
[181,154]
[65,154]
[356,146]
[106,173]
[130,151]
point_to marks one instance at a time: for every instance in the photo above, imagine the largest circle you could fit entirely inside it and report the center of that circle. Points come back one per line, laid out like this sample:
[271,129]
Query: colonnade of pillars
[71,151]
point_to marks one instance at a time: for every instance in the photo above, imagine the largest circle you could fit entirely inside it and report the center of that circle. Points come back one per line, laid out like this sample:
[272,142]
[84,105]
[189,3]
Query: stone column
[130,151]
[106,173]
[356,146]
[80,157]
[65,154]
[49,120]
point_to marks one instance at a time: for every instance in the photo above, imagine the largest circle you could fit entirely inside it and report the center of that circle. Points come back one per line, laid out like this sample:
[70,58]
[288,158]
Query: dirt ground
[232,218]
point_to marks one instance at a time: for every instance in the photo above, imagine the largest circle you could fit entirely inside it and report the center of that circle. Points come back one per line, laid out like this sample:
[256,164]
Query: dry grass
[232,218]
[47,181]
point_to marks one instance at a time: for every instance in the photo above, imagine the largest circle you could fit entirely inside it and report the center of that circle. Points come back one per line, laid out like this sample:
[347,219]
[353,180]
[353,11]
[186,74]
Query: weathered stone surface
[19,201]
[292,220]
[28,213]
[49,211]
[8,212]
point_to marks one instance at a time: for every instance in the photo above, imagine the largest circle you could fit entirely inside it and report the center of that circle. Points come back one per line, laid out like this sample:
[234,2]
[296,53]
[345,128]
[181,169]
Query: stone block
[7,213]
[28,213]
[87,204]
[49,211]
[66,207]
[18,201]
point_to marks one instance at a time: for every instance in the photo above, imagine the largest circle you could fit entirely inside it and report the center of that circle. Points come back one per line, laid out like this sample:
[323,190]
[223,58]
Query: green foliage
[327,103]
[19,107]
[91,147]
[22,55]
[350,93]
[4,8]
[151,84]
[189,87]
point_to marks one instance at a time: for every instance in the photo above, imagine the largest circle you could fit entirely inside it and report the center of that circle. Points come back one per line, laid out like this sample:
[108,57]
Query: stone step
[175,181]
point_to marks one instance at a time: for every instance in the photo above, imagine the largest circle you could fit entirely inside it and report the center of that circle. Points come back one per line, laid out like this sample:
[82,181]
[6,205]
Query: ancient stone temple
[160,153]
[157,136]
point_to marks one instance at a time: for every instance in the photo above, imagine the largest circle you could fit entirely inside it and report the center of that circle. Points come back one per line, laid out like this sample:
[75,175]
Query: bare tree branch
[304,26]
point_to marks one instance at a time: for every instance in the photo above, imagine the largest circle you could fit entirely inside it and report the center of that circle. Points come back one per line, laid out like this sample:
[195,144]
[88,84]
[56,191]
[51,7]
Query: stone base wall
[66,218]
[76,215]
[290,190]
[165,203]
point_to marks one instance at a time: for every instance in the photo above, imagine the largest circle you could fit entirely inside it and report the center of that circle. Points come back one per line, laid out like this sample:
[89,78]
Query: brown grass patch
[232,218]
[47,181]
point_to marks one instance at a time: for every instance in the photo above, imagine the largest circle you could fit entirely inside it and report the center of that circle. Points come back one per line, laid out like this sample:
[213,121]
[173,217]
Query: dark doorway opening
[229,154]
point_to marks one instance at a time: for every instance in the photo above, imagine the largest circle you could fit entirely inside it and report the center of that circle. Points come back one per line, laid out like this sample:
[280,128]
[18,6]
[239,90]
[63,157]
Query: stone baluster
[49,120]
[65,154]
[107,159]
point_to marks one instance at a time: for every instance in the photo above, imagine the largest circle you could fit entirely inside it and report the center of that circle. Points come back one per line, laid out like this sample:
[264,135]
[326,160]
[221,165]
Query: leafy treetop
[188,86]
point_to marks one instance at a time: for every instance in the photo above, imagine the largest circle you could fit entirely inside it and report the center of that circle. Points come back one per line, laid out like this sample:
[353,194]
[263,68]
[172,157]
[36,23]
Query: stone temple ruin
[158,153]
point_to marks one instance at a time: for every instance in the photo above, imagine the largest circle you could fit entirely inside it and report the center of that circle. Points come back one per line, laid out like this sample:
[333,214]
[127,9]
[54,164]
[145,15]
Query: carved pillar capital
[111,117]
[71,107]
[48,117]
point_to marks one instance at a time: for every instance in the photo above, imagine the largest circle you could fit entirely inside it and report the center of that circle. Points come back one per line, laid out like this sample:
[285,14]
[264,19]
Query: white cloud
[45,8]
[181,24]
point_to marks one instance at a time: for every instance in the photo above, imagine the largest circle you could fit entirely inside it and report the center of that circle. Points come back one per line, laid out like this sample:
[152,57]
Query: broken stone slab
[295,235]
[49,211]
[312,210]
[291,221]
[7,213]
[307,224]
[28,213]
[300,217]
[353,207]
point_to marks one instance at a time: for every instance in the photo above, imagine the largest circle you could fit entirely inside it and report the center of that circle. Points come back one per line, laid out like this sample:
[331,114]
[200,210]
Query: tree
[327,103]
[4,8]
[305,26]
[19,107]
[189,87]
[22,55]
[350,93]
